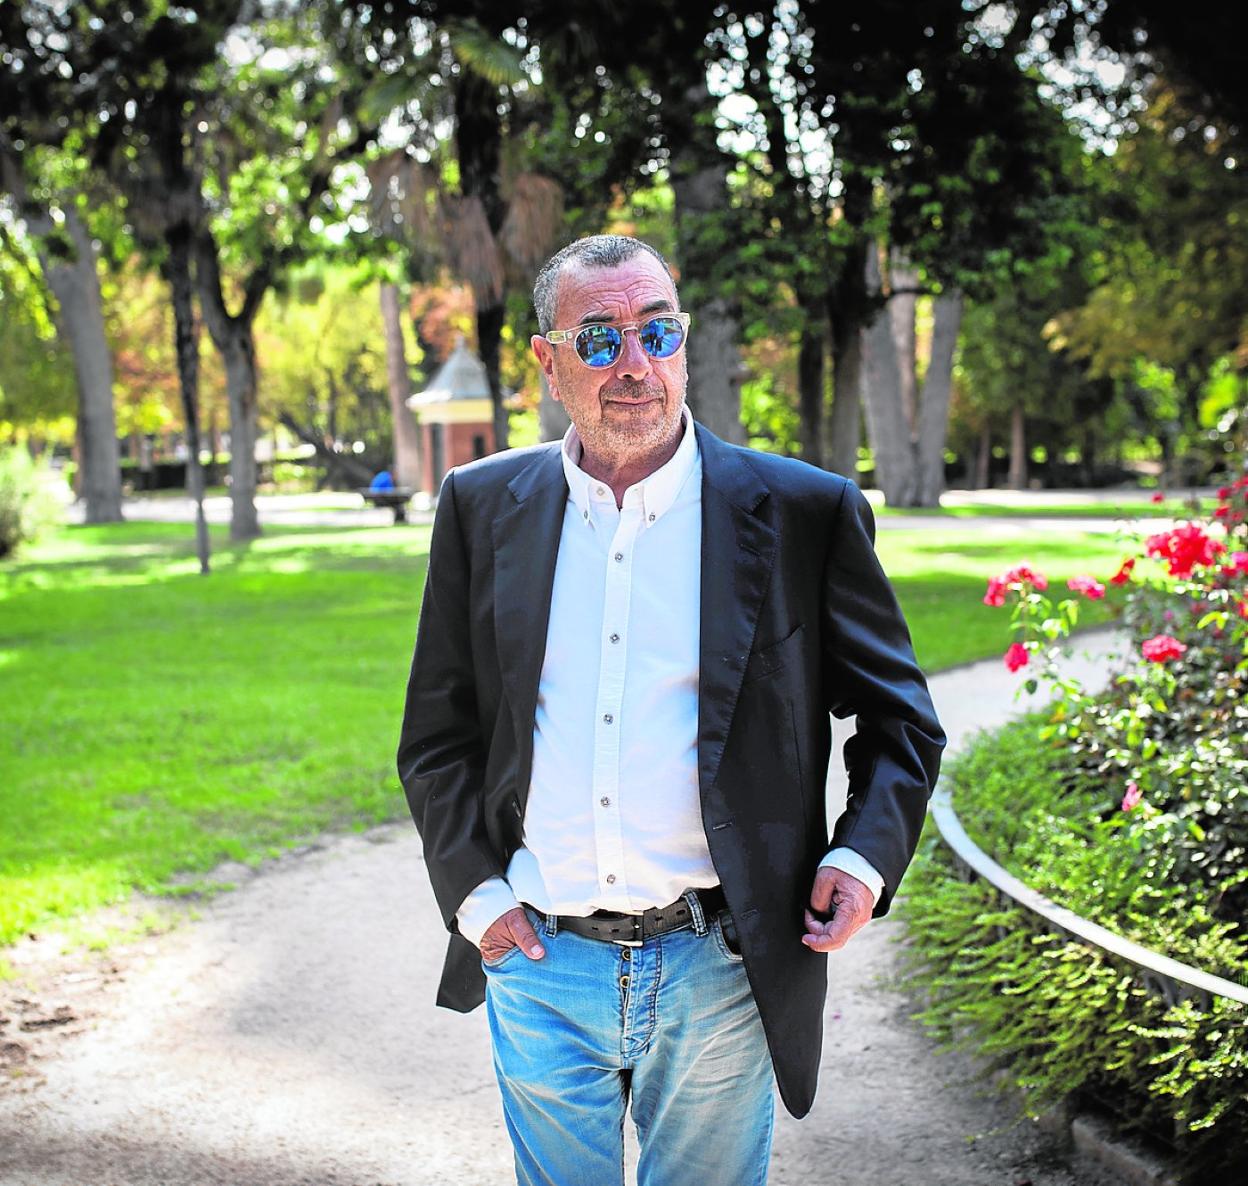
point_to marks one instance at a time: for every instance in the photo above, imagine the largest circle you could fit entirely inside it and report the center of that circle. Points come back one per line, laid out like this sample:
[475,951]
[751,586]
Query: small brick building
[454,416]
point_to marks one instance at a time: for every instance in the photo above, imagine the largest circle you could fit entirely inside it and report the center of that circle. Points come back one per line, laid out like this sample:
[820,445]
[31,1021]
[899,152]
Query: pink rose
[1016,657]
[1162,648]
[1090,588]
[1132,797]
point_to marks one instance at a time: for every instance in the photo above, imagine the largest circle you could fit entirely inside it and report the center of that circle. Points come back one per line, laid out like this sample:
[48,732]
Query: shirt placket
[613,660]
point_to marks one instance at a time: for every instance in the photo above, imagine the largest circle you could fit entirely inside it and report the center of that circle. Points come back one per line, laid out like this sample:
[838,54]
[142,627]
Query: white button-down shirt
[613,819]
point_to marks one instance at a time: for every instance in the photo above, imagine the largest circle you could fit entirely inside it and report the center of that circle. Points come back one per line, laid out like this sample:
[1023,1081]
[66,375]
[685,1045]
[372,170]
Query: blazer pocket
[773,656]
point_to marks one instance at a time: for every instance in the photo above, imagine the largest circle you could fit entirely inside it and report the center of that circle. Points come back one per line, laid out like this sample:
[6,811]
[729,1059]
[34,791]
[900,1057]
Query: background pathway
[288,1036]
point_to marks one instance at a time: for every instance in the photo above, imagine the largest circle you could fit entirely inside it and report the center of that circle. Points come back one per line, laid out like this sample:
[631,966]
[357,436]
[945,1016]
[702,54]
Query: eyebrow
[663,305]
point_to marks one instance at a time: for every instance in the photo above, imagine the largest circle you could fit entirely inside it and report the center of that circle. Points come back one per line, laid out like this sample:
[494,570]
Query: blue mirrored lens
[598,345]
[661,337]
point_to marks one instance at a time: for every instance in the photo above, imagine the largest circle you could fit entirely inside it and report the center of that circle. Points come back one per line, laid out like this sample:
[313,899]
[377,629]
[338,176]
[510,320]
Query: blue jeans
[672,1022]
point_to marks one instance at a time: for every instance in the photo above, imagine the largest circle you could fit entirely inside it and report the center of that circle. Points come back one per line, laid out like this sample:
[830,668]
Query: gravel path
[287,1036]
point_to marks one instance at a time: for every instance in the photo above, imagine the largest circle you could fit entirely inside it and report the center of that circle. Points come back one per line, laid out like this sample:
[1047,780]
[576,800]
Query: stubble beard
[622,435]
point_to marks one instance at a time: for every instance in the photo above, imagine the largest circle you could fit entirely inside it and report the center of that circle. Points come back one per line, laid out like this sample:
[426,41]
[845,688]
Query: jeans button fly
[624,981]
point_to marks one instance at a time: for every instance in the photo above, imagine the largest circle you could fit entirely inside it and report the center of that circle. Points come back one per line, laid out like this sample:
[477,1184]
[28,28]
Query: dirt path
[287,1036]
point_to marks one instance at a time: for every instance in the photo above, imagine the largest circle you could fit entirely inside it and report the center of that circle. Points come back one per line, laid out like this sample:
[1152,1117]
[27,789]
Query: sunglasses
[600,346]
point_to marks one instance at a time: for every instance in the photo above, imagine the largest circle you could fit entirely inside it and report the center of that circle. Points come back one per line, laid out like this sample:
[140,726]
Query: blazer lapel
[526,544]
[738,550]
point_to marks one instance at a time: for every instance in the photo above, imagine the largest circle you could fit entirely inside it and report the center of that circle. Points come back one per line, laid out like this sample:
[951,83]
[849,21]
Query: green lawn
[154,723]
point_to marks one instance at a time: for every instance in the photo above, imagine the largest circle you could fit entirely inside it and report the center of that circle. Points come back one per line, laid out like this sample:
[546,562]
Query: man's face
[633,409]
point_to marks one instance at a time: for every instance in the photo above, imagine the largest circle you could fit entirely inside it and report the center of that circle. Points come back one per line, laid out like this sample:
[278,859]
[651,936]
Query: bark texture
[933,411]
[700,188]
[887,426]
[177,269]
[1018,448]
[902,306]
[844,425]
[407,458]
[75,283]
[234,338]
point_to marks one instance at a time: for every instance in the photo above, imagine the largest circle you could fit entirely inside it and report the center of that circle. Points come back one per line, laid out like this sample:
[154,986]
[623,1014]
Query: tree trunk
[478,145]
[844,425]
[933,423]
[1018,449]
[887,429]
[551,418]
[407,459]
[699,174]
[902,307]
[489,344]
[238,352]
[235,340]
[75,283]
[177,268]
[810,389]
[982,477]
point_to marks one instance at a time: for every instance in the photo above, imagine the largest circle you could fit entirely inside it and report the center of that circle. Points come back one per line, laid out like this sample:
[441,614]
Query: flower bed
[1129,808]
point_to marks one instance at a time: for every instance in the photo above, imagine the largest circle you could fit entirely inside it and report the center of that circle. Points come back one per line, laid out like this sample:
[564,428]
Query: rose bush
[1130,807]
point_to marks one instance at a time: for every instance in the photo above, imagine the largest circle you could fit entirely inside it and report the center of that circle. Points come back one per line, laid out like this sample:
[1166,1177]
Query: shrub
[1130,808]
[25,505]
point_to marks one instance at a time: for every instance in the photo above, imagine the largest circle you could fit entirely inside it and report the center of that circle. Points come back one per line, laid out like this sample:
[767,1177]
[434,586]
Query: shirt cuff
[481,908]
[856,865]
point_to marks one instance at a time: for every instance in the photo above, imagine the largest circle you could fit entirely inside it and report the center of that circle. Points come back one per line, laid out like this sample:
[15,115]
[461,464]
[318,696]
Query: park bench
[395,499]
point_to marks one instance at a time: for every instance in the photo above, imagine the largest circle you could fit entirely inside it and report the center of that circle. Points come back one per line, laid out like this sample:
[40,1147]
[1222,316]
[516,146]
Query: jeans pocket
[726,940]
[510,953]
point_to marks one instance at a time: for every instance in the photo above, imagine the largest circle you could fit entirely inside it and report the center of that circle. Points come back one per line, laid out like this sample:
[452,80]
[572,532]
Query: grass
[155,723]
[940,576]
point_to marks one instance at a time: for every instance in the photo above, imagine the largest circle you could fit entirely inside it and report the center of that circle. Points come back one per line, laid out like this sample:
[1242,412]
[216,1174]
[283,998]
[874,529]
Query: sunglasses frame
[560,337]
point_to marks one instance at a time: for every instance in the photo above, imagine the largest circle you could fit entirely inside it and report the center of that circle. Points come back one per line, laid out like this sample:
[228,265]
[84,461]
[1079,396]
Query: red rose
[1123,575]
[996,592]
[1016,657]
[1236,562]
[1183,549]
[1088,586]
[1132,797]
[1024,574]
[1224,492]
[1241,609]
[1159,497]
[1162,648]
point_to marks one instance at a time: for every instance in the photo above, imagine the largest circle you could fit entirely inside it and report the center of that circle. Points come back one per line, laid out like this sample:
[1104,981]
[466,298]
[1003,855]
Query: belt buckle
[636,942]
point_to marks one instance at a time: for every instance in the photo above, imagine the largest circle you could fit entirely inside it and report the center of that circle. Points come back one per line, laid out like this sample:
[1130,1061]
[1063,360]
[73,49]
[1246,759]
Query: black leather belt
[612,926]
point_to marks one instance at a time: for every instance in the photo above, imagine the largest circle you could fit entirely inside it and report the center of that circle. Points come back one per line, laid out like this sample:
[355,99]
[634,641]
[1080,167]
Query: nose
[634,362]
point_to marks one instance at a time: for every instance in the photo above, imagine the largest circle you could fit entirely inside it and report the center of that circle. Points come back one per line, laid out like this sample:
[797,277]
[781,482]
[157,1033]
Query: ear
[544,352]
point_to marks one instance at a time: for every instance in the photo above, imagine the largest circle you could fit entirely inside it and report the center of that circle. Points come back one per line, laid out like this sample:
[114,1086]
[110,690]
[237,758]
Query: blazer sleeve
[441,756]
[870,671]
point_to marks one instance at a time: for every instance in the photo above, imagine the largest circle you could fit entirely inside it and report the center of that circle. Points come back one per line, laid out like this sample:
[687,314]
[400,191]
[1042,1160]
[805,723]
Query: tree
[39,170]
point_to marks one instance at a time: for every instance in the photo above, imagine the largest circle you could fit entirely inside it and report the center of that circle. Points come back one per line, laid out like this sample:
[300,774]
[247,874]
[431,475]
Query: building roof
[461,376]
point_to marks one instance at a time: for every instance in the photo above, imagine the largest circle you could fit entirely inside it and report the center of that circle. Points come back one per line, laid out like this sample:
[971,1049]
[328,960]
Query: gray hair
[594,251]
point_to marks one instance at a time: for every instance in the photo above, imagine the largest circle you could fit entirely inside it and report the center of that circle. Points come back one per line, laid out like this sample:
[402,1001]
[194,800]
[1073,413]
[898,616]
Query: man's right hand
[513,929]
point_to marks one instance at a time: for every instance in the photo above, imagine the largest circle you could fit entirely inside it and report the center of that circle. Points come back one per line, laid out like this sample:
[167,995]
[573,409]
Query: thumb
[821,893]
[525,937]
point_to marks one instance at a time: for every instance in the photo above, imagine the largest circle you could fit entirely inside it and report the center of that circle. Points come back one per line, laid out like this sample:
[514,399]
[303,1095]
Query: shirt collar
[654,494]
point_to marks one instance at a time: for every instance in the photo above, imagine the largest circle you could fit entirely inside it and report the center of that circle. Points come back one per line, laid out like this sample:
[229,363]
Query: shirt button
[608,718]
[605,801]
[615,638]
[610,878]
[601,490]
[619,556]
[651,516]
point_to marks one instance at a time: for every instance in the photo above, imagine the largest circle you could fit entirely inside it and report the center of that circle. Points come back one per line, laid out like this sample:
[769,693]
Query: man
[616,742]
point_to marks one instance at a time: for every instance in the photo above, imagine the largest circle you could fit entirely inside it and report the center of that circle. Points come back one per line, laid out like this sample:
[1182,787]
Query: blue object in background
[383,481]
